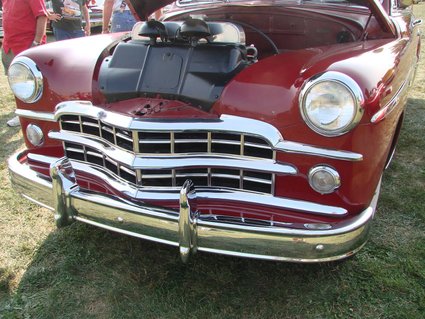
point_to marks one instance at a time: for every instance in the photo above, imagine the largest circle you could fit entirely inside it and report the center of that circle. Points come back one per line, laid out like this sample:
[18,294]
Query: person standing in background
[24,25]
[71,24]
[158,14]
[122,18]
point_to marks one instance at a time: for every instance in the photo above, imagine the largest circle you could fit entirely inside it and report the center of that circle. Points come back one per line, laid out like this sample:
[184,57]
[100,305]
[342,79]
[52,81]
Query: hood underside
[143,8]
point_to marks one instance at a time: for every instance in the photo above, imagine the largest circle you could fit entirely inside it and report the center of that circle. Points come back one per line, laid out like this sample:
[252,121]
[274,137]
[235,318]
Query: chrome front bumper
[186,228]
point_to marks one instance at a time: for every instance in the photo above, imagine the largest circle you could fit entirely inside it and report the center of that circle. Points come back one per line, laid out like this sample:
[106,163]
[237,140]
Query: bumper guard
[186,228]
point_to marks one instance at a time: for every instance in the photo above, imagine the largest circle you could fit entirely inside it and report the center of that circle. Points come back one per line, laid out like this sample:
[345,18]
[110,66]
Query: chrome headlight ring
[331,103]
[25,80]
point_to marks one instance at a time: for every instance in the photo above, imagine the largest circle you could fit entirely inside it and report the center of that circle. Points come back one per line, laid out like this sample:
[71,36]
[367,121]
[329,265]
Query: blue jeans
[61,34]
[122,21]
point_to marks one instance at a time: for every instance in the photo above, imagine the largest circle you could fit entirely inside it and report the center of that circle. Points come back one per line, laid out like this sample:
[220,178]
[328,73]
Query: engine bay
[192,57]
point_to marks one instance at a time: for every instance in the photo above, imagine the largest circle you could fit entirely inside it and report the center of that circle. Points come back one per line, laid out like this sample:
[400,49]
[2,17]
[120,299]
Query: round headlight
[331,103]
[25,80]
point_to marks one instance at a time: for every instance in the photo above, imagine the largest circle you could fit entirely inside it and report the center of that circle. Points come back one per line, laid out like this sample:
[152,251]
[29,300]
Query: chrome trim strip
[162,224]
[124,232]
[268,200]
[175,161]
[218,194]
[226,123]
[390,106]
[284,259]
[38,202]
[115,183]
[298,148]
[343,228]
[35,115]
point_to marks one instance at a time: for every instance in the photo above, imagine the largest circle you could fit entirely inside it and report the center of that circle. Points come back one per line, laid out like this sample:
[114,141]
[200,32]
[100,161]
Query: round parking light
[324,179]
[35,135]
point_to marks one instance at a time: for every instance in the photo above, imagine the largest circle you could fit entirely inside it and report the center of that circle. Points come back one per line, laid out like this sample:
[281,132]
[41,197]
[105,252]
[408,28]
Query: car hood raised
[144,8]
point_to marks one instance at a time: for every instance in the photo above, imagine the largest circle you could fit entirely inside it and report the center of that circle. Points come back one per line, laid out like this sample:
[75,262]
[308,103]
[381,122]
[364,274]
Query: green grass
[85,272]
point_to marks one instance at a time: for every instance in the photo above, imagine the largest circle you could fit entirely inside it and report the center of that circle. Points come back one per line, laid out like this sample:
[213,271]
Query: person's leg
[116,21]
[129,20]
[6,59]
[61,34]
[77,33]
[122,21]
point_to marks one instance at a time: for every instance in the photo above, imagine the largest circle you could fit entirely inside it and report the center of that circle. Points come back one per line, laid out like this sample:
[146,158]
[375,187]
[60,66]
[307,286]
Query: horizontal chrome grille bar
[170,142]
[219,194]
[238,179]
[177,160]
[226,123]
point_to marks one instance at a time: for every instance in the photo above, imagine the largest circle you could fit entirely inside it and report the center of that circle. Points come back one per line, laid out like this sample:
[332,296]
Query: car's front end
[187,135]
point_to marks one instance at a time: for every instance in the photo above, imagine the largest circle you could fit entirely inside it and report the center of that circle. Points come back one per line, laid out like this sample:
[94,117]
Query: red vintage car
[255,129]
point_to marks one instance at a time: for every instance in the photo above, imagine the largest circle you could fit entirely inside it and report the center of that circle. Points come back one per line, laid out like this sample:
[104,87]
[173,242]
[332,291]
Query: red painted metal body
[269,90]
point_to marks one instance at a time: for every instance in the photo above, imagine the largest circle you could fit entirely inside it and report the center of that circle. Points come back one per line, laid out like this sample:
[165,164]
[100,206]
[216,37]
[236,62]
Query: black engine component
[194,28]
[173,70]
[153,29]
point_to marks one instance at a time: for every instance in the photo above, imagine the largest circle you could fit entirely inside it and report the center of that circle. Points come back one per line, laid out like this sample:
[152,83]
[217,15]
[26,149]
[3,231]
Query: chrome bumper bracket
[187,221]
[63,184]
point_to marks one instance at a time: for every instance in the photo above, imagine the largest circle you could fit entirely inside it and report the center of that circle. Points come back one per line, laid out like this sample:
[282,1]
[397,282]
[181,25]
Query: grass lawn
[84,272]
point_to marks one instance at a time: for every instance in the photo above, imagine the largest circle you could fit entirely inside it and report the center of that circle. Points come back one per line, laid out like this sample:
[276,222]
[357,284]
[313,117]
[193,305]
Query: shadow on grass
[86,271]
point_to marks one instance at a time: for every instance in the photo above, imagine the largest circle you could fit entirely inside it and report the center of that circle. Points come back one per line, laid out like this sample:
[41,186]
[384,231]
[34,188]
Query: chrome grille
[145,143]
